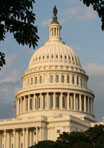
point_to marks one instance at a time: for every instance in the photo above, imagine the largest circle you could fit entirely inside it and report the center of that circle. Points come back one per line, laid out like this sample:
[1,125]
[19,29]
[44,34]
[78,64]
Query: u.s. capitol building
[54,98]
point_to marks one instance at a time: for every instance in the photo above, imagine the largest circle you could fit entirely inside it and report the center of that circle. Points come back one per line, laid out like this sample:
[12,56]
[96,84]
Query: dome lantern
[54,28]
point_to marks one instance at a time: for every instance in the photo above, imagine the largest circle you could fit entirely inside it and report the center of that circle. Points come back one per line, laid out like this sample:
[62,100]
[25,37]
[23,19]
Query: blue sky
[81,30]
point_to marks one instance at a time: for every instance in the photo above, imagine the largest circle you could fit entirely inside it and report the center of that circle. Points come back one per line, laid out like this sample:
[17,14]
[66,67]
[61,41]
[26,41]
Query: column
[47,101]
[27,137]
[41,101]
[1,140]
[41,138]
[54,101]
[88,105]
[29,103]
[67,101]
[17,106]
[80,103]
[21,104]
[84,103]
[74,101]
[23,138]
[14,133]
[24,104]
[61,95]
[30,138]
[36,135]
[92,106]
[4,138]
[33,102]
[18,139]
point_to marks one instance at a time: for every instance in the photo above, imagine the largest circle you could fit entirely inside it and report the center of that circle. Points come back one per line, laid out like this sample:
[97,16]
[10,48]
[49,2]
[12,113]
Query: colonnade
[21,138]
[71,79]
[55,31]
[55,101]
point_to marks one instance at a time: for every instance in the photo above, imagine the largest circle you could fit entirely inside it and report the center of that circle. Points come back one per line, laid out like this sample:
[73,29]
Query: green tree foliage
[92,138]
[98,5]
[17,17]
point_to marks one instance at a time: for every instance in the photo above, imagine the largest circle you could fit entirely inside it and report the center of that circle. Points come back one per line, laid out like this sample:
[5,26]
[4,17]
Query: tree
[17,17]
[92,138]
[98,5]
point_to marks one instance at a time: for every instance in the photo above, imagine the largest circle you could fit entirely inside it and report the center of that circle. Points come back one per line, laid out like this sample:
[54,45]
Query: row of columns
[66,101]
[55,32]
[27,139]
[73,79]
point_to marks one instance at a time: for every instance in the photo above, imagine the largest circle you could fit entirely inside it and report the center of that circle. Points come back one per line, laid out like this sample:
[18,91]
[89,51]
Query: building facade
[54,97]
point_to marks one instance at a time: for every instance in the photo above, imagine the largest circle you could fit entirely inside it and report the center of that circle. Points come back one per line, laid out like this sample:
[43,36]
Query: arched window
[57,78]
[77,80]
[51,78]
[31,81]
[65,56]
[68,79]
[40,79]
[62,78]
[72,79]
[61,56]
[81,80]
[56,56]
[35,80]
[28,82]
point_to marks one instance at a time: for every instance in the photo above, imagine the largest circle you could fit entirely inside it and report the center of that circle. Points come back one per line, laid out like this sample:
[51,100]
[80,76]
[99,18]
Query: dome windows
[62,78]
[31,81]
[65,56]
[68,79]
[77,80]
[65,78]
[40,78]
[51,78]
[57,78]
[56,56]
[35,80]
[72,79]
[61,56]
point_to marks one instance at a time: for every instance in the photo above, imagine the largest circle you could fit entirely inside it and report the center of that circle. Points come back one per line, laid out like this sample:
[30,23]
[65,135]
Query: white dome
[55,52]
[55,82]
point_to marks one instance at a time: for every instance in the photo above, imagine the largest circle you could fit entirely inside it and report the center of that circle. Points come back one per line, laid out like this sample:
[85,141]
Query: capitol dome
[55,82]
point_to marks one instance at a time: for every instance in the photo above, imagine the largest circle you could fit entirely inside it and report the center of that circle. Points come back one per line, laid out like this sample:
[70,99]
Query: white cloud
[45,22]
[13,77]
[96,83]
[79,13]
[69,2]
[95,69]
[88,13]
